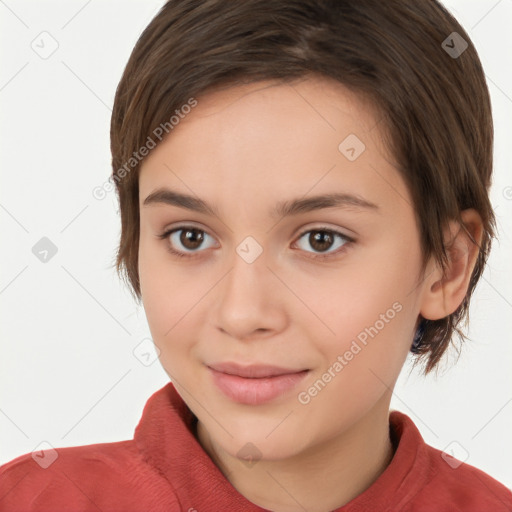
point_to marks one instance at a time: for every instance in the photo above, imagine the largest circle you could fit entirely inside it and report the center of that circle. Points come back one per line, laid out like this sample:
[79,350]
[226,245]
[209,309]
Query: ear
[445,291]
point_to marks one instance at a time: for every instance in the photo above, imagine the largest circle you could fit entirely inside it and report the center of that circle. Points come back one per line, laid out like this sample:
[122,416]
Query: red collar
[165,437]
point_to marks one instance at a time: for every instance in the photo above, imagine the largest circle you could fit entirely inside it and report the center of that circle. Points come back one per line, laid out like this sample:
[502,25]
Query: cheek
[177,298]
[370,295]
[370,310]
[362,360]
[168,295]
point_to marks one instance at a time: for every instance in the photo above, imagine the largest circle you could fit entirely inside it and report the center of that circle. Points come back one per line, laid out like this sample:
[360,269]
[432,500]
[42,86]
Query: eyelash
[320,256]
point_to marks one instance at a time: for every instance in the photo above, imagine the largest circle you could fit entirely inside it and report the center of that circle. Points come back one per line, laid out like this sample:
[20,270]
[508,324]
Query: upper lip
[252,371]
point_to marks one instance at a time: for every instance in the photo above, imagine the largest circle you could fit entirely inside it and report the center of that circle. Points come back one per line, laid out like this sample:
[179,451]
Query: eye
[192,238]
[189,237]
[323,238]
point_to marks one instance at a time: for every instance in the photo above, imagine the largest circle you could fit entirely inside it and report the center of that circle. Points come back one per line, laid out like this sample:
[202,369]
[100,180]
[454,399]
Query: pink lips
[255,384]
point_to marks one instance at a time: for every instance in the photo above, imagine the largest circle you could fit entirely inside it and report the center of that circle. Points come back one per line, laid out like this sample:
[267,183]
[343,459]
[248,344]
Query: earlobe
[445,291]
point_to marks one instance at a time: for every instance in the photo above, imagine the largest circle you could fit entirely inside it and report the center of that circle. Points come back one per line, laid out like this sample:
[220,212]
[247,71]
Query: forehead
[290,138]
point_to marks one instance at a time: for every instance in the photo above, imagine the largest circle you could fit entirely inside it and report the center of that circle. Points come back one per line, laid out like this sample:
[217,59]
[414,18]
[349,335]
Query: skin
[243,150]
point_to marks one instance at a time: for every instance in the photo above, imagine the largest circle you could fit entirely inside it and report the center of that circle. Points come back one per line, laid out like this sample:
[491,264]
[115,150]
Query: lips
[254,371]
[254,384]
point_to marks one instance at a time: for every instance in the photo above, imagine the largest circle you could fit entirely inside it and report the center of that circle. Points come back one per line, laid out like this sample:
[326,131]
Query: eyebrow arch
[281,209]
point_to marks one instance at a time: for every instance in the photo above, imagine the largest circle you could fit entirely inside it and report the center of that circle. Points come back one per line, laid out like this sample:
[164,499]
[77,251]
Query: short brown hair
[435,106]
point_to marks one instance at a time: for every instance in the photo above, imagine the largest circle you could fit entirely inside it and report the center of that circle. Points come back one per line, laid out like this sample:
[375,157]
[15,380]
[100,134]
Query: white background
[69,327]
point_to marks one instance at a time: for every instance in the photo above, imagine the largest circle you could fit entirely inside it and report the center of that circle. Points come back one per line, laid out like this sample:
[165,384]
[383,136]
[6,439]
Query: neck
[337,470]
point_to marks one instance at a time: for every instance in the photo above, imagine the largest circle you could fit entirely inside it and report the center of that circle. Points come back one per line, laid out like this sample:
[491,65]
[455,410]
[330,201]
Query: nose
[249,303]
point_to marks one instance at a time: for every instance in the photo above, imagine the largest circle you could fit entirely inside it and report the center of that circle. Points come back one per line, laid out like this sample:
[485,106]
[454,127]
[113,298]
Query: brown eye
[323,239]
[184,241]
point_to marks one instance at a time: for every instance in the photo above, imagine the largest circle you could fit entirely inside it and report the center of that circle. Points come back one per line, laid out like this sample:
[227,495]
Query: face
[327,291]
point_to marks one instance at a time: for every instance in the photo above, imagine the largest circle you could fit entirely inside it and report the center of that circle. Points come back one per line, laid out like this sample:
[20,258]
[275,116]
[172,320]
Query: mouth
[254,384]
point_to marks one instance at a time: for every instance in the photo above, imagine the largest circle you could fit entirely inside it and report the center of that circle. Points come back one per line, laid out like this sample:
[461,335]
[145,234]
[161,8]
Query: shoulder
[425,478]
[456,486]
[107,476]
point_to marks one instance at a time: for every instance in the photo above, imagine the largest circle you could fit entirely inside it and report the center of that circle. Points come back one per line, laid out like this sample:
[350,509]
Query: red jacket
[164,468]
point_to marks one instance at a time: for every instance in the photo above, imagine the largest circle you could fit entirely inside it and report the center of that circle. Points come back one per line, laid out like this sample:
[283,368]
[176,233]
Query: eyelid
[324,227]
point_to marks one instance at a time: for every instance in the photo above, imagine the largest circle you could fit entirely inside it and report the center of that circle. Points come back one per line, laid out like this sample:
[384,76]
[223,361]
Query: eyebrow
[281,209]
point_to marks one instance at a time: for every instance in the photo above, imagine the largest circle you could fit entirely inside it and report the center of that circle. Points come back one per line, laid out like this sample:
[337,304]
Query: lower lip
[255,391]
